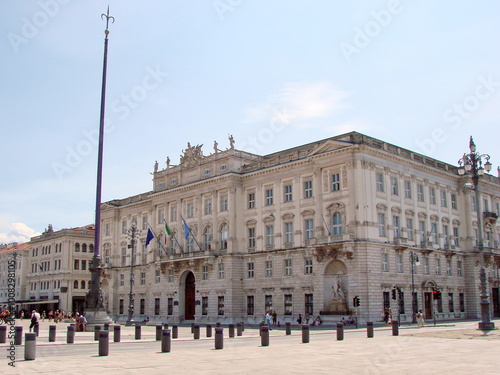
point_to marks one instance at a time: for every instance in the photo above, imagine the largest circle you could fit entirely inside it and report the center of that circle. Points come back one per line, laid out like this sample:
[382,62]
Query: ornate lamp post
[132,233]
[472,164]
[413,262]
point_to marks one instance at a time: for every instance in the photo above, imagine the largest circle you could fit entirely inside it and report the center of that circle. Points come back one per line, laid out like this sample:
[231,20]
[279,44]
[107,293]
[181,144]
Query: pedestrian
[35,320]
[275,318]
[307,318]
[420,318]
[82,323]
[268,320]
[386,316]
[299,319]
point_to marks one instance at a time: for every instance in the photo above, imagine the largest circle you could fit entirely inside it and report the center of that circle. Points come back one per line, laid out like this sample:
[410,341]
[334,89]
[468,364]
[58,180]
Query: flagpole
[157,239]
[189,233]
[173,236]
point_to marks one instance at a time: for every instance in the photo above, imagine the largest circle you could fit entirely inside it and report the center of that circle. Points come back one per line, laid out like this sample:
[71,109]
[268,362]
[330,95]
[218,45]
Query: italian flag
[168,233]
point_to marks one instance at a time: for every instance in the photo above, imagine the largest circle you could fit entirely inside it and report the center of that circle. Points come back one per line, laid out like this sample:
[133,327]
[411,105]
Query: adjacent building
[12,275]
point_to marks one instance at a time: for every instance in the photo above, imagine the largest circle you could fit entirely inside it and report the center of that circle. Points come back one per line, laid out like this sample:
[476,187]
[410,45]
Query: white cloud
[18,232]
[303,102]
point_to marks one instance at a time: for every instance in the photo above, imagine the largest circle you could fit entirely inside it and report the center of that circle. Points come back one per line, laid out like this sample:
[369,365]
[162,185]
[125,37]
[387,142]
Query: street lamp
[132,233]
[414,262]
[472,164]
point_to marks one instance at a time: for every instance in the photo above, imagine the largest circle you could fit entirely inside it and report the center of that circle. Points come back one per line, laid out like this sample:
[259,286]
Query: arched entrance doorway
[335,288]
[189,296]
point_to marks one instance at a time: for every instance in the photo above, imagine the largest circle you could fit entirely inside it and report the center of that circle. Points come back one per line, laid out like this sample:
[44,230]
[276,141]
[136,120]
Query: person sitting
[317,321]
[82,323]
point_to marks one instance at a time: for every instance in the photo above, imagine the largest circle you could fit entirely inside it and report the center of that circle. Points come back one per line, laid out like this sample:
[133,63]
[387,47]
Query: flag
[149,236]
[186,230]
[168,232]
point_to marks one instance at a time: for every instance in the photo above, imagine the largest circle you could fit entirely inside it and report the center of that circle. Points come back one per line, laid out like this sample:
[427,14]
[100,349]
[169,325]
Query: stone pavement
[456,347]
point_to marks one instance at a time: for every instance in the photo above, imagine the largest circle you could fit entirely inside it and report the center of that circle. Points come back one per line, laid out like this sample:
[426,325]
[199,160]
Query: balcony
[490,217]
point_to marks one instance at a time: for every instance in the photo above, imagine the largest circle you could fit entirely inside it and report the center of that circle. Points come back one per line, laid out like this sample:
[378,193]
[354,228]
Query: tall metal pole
[94,297]
[413,302]
[133,233]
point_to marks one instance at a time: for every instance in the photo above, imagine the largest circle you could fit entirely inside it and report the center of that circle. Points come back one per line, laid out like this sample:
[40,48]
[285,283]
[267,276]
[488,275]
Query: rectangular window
[336,182]
[461,298]
[387,300]
[440,305]
[309,229]
[408,189]
[288,304]
[143,278]
[402,302]
[449,271]
[120,306]
[170,306]
[432,195]
[451,305]
[250,305]
[288,267]
[250,270]
[444,199]
[308,307]
[426,265]
[399,263]
[251,238]
[142,306]
[122,279]
[420,193]
[124,227]
[438,266]
[454,203]
[269,268]
[380,182]
[161,215]
[308,189]
[409,229]
[381,224]
[204,305]
[423,232]
[288,233]
[157,306]
[220,305]
[144,222]
[77,264]
[308,266]
[396,228]
[207,206]
[385,262]
[268,302]
[269,235]
[204,272]
[251,200]
[189,210]
[220,268]
[434,235]
[223,203]
[173,214]
[124,256]
[446,235]
[288,193]
[157,276]
[394,186]
[84,265]
[459,268]
[269,197]
[473,203]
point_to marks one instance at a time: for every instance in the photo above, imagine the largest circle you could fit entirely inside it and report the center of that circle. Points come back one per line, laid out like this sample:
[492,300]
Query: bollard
[217,324]
[18,335]
[3,334]
[264,336]
[29,346]
[239,329]
[340,331]
[305,333]
[106,327]
[103,343]
[117,333]
[231,331]
[369,329]
[70,335]
[36,329]
[165,325]
[52,333]
[219,338]
[196,331]
[209,330]
[395,328]
[137,331]
[165,341]
[260,328]
[175,331]
[158,332]
[97,329]
[288,328]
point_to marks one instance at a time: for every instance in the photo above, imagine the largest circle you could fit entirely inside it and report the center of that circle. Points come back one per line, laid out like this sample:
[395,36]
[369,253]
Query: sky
[275,74]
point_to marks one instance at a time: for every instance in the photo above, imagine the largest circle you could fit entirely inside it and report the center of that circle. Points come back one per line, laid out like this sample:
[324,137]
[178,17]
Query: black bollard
[158,332]
[369,329]
[30,346]
[117,330]
[196,331]
[239,329]
[231,331]
[395,328]
[70,335]
[52,333]
[3,334]
[18,335]
[137,331]
[106,327]
[209,330]
[288,328]
[340,331]
[175,331]
[165,341]
[103,343]
[97,329]
[219,338]
[264,336]
[217,324]
[305,333]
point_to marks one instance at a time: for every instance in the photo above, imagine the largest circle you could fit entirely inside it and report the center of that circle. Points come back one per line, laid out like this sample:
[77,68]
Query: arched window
[84,248]
[77,247]
[82,284]
[207,238]
[223,236]
[75,284]
[337,226]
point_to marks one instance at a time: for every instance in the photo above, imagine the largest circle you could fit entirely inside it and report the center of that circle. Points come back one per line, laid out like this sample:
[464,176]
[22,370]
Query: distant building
[12,275]
[304,230]
[57,275]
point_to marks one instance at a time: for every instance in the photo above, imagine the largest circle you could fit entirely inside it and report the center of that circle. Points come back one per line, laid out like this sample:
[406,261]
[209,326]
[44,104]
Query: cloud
[18,232]
[303,103]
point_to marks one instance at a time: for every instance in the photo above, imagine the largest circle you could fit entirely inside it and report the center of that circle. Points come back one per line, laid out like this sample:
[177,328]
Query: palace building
[304,230]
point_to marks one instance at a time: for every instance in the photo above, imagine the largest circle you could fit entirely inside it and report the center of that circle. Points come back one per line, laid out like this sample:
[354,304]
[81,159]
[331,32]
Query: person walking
[386,315]
[420,318]
[35,320]
[299,319]
[275,318]
[268,320]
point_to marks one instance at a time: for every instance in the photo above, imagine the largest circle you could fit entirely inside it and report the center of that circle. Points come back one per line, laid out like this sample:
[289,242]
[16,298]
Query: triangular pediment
[330,145]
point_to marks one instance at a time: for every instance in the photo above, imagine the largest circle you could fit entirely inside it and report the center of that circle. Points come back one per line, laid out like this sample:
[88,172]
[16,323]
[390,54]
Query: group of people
[387,316]
[307,318]
[350,321]
[4,315]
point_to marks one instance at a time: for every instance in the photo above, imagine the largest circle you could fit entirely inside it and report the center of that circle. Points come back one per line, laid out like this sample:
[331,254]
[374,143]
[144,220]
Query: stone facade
[303,230]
